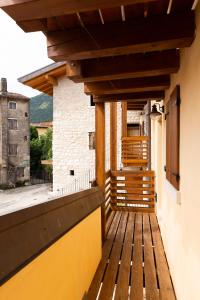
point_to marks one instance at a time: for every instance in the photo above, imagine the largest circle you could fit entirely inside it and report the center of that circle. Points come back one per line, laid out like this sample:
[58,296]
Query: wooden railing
[135,151]
[133,191]
[108,208]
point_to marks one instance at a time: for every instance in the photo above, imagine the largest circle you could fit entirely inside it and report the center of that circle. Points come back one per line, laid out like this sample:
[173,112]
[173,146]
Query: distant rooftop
[4,92]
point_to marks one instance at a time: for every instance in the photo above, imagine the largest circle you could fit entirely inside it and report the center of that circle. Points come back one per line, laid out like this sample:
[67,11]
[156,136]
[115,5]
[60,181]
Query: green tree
[35,156]
[33,133]
[40,149]
[46,144]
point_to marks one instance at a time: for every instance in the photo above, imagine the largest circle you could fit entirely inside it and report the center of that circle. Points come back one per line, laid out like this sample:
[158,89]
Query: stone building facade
[73,121]
[74,128]
[14,137]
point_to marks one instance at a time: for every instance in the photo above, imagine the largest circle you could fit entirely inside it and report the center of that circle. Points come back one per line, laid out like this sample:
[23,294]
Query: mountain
[41,108]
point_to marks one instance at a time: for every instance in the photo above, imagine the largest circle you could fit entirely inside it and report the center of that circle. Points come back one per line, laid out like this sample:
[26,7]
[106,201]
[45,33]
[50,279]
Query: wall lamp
[156,111]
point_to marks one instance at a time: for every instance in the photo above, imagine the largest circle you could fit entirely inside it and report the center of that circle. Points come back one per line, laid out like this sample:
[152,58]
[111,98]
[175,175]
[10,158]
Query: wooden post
[113,136]
[149,133]
[124,119]
[100,156]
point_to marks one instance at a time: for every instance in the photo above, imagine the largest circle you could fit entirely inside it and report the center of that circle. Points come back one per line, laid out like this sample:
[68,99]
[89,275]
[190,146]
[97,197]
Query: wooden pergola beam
[52,80]
[129,66]
[21,10]
[143,96]
[135,36]
[154,83]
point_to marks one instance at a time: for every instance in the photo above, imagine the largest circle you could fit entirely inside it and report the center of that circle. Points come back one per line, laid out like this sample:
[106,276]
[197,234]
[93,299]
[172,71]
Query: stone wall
[73,119]
[20,137]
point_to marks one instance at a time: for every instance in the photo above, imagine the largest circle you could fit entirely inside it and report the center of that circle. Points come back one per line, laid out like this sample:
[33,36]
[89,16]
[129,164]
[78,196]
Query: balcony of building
[129,236]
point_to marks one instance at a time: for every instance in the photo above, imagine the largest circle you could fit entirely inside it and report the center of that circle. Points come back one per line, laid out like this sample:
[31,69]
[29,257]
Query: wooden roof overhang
[117,48]
[44,79]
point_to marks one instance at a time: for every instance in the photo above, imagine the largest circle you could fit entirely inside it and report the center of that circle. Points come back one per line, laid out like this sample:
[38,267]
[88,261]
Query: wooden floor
[133,265]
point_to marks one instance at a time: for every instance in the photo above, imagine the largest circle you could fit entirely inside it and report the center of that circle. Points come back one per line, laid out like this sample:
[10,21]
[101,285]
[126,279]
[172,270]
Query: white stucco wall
[178,212]
[107,136]
[73,119]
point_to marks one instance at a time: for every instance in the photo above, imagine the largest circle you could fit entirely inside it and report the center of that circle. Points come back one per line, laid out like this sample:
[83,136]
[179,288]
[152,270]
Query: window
[20,172]
[26,114]
[173,138]
[25,138]
[92,140]
[71,172]
[12,105]
[92,101]
[12,124]
[12,149]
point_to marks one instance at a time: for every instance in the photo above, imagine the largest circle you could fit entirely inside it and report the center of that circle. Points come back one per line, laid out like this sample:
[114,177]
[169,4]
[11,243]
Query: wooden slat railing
[132,190]
[107,195]
[135,151]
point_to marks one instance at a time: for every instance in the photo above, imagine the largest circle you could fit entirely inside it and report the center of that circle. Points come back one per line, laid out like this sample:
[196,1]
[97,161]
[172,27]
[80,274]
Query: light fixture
[155,114]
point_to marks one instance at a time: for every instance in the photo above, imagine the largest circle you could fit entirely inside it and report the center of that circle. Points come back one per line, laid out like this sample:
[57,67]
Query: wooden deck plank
[110,221]
[111,272]
[125,266]
[137,267]
[148,276]
[165,283]
[94,287]
[149,264]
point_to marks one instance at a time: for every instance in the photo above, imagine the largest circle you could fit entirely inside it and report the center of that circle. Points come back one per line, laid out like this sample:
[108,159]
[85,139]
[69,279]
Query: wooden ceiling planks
[111,14]
[134,11]
[46,8]
[158,8]
[180,5]
[90,18]
[69,21]
[141,35]
[106,41]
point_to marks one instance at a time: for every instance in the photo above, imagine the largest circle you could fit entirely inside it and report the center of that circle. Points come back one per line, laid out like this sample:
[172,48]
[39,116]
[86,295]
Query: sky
[20,53]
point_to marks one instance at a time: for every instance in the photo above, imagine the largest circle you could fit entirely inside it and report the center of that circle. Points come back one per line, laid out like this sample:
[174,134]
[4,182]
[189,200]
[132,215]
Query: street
[20,198]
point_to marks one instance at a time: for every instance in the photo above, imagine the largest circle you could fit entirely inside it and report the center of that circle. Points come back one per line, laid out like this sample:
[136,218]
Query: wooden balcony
[133,264]
[130,191]
[135,151]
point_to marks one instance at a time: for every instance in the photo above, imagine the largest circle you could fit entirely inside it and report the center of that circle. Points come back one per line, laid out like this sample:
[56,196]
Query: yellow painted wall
[65,270]
[180,223]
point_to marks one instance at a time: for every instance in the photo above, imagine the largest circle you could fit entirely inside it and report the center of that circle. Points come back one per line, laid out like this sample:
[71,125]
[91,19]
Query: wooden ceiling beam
[122,67]
[141,35]
[141,107]
[154,95]
[154,83]
[52,80]
[21,10]
[48,91]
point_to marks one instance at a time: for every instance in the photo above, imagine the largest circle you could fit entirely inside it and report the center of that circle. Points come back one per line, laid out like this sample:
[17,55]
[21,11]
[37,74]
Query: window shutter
[173,138]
